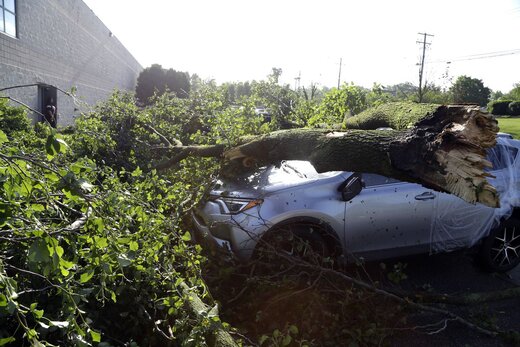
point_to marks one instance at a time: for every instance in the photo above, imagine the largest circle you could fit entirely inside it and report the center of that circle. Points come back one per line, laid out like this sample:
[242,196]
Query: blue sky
[237,40]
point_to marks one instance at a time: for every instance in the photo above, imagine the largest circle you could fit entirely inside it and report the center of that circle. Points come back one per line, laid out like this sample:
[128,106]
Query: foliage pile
[92,245]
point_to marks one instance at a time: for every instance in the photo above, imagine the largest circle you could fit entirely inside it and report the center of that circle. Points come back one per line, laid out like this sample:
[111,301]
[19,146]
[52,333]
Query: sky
[376,40]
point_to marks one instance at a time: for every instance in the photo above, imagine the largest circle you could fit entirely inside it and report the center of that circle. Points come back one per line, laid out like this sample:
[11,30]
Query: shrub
[514,108]
[499,107]
[12,119]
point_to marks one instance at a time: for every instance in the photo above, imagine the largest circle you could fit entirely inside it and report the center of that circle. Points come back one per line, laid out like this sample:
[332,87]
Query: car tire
[500,251]
[301,241]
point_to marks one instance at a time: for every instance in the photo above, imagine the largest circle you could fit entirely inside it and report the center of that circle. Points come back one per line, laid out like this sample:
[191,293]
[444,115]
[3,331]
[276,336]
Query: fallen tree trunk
[445,150]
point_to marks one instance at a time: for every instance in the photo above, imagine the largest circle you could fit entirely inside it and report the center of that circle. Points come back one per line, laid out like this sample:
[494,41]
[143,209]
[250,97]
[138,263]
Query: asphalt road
[457,274]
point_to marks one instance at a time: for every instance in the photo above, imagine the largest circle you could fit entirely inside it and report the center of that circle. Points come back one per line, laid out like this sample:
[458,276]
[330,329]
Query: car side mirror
[352,188]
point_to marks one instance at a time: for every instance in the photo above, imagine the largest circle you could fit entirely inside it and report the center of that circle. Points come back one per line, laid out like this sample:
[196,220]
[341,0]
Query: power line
[478,56]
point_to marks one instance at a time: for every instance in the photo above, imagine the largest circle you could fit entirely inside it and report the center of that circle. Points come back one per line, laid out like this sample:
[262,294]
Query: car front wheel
[500,251]
[295,240]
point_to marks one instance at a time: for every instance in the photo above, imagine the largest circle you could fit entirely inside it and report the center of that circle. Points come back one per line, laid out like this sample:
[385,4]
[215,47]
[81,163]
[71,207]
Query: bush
[12,119]
[499,107]
[514,108]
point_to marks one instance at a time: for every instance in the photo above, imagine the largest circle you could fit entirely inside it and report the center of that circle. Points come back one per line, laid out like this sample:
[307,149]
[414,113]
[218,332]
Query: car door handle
[425,196]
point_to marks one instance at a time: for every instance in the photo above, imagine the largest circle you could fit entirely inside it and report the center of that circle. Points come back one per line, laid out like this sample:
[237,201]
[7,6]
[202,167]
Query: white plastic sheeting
[458,224]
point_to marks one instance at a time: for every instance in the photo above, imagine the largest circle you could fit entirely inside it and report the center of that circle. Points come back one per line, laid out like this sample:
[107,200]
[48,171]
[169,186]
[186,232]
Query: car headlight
[235,206]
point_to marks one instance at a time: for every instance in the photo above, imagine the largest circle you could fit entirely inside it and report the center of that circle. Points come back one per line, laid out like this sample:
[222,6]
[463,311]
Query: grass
[510,126]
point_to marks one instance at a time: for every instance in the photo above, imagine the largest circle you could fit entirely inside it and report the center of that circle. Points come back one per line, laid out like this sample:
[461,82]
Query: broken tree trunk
[445,150]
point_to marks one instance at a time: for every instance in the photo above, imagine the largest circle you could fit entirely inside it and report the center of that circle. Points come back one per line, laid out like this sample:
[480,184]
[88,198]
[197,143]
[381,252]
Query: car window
[377,180]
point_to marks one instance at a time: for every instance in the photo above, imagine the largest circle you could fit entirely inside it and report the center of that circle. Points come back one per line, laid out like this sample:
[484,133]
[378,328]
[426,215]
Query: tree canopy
[156,79]
[470,90]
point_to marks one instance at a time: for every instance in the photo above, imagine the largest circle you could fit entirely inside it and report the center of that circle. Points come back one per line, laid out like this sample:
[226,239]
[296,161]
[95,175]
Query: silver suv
[363,215]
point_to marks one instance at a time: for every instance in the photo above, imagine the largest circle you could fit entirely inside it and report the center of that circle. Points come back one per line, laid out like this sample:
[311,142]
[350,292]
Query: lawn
[510,125]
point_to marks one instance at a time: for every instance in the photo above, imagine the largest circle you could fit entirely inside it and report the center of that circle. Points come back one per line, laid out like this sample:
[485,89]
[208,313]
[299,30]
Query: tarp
[458,224]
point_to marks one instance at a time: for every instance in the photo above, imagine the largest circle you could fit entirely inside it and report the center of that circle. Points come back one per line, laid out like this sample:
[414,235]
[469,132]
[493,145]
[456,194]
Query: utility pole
[297,81]
[421,69]
[339,75]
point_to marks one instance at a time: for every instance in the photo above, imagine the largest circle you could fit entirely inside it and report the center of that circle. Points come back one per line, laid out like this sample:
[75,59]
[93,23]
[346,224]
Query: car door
[388,218]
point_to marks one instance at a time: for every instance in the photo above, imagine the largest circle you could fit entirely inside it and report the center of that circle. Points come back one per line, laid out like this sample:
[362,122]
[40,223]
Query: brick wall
[63,43]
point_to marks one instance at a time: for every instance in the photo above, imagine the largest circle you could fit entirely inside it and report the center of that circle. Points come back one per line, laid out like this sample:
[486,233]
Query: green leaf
[137,172]
[113,296]
[51,176]
[6,340]
[38,207]
[98,224]
[287,340]
[96,337]
[293,329]
[123,240]
[263,339]
[3,300]
[3,139]
[187,236]
[62,145]
[49,148]
[38,252]
[31,333]
[134,246]
[37,313]
[101,242]
[86,276]
[123,260]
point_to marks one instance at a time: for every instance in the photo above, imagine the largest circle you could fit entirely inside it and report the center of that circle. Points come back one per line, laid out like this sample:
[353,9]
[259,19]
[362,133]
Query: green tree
[149,81]
[156,80]
[435,95]
[339,103]
[514,94]
[470,90]
[402,91]
[178,82]
[275,74]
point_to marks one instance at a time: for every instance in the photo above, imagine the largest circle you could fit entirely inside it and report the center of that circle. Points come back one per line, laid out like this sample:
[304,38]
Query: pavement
[457,274]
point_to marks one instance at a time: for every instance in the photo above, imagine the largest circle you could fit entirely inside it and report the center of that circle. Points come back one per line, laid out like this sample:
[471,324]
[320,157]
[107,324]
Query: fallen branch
[218,336]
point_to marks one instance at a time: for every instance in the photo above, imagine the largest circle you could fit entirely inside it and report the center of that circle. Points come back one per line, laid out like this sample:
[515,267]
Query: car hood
[271,179]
